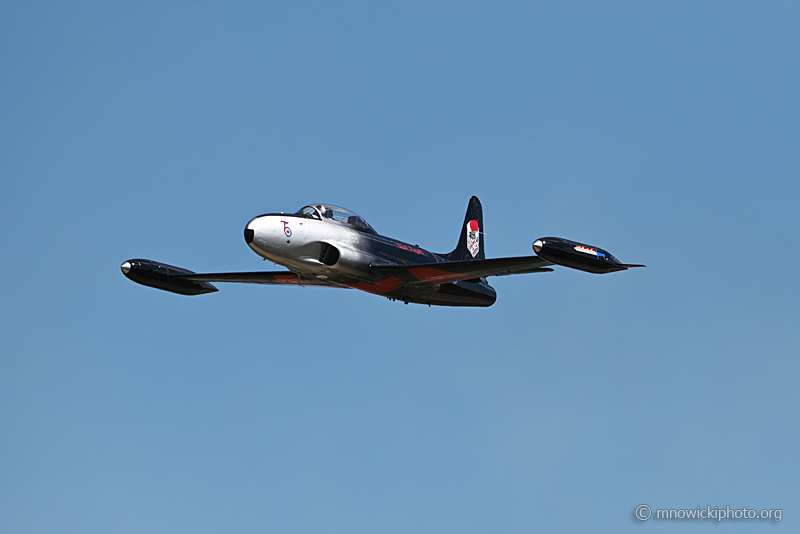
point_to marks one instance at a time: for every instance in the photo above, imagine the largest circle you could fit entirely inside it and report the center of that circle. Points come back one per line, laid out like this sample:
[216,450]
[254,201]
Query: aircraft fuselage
[341,254]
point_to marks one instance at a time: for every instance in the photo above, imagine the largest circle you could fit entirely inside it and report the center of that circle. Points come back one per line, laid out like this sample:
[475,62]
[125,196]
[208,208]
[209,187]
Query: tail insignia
[473,240]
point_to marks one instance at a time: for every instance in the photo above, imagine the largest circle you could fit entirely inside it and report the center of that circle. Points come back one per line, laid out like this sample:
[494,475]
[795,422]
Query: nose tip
[537,245]
[248,235]
[126,267]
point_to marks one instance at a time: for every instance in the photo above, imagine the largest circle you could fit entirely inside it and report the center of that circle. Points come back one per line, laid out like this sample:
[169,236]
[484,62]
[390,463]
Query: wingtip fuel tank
[578,256]
[166,277]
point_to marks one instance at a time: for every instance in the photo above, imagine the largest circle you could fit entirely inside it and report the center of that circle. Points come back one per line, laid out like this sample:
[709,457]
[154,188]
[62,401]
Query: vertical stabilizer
[470,244]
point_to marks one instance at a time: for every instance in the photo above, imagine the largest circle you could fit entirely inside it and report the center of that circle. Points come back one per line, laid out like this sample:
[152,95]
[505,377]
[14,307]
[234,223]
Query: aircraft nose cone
[248,235]
[537,245]
[126,267]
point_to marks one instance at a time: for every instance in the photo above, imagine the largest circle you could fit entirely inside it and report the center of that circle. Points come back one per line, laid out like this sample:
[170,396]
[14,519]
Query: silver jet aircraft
[328,246]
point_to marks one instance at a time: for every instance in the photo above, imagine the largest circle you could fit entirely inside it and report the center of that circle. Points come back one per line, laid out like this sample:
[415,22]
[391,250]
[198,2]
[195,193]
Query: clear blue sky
[667,134]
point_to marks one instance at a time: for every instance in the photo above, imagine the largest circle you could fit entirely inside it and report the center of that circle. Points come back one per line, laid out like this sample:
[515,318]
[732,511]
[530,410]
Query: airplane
[323,245]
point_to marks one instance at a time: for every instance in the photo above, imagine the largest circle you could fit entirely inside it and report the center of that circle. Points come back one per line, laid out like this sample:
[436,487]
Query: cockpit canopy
[327,212]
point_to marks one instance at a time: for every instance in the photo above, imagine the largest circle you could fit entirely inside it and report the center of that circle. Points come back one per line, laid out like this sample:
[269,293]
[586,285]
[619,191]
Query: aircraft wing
[273,278]
[185,282]
[455,271]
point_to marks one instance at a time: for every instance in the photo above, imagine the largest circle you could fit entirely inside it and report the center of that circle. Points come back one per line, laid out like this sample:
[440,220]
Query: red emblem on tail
[473,239]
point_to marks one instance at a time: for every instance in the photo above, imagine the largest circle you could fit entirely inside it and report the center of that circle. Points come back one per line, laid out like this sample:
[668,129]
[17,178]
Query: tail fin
[470,244]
